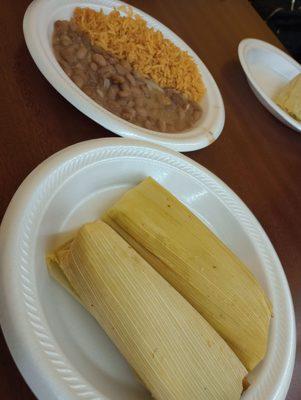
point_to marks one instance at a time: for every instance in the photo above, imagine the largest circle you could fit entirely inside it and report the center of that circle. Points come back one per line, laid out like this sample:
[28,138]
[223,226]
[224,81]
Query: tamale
[53,261]
[196,263]
[171,347]
[289,98]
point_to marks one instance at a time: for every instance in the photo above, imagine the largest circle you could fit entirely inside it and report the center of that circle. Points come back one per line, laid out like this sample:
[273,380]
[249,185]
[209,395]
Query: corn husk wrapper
[174,351]
[289,98]
[195,262]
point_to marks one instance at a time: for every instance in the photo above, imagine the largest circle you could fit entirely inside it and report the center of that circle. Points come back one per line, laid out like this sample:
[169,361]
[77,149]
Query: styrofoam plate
[268,69]
[59,348]
[38,27]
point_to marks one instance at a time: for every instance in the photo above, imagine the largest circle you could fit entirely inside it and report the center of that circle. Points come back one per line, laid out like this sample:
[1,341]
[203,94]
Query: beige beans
[99,60]
[93,66]
[65,40]
[121,70]
[78,80]
[131,79]
[81,53]
[117,78]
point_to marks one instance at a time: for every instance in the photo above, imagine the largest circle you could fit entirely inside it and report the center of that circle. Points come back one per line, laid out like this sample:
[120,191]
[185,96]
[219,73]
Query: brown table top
[256,155]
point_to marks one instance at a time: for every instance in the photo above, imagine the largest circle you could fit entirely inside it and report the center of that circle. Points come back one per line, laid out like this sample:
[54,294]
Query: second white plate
[268,69]
[38,27]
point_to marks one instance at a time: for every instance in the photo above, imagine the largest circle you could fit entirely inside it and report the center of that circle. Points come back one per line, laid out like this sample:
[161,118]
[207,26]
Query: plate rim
[196,138]
[12,224]
[242,49]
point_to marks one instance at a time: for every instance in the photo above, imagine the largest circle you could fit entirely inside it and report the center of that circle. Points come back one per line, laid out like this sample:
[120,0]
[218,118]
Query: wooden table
[257,156]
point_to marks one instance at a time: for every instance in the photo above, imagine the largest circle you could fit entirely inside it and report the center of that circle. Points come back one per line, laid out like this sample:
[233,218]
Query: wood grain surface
[257,156]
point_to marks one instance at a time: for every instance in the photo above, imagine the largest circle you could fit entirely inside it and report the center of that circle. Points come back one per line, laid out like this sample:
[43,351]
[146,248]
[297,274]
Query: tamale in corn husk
[196,263]
[289,98]
[174,351]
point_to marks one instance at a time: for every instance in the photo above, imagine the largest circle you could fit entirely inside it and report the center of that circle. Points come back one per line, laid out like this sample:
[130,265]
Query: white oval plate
[268,69]
[59,348]
[38,27]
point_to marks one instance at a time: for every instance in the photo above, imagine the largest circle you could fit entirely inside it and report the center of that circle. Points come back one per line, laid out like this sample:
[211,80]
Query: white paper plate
[38,27]
[268,69]
[58,347]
